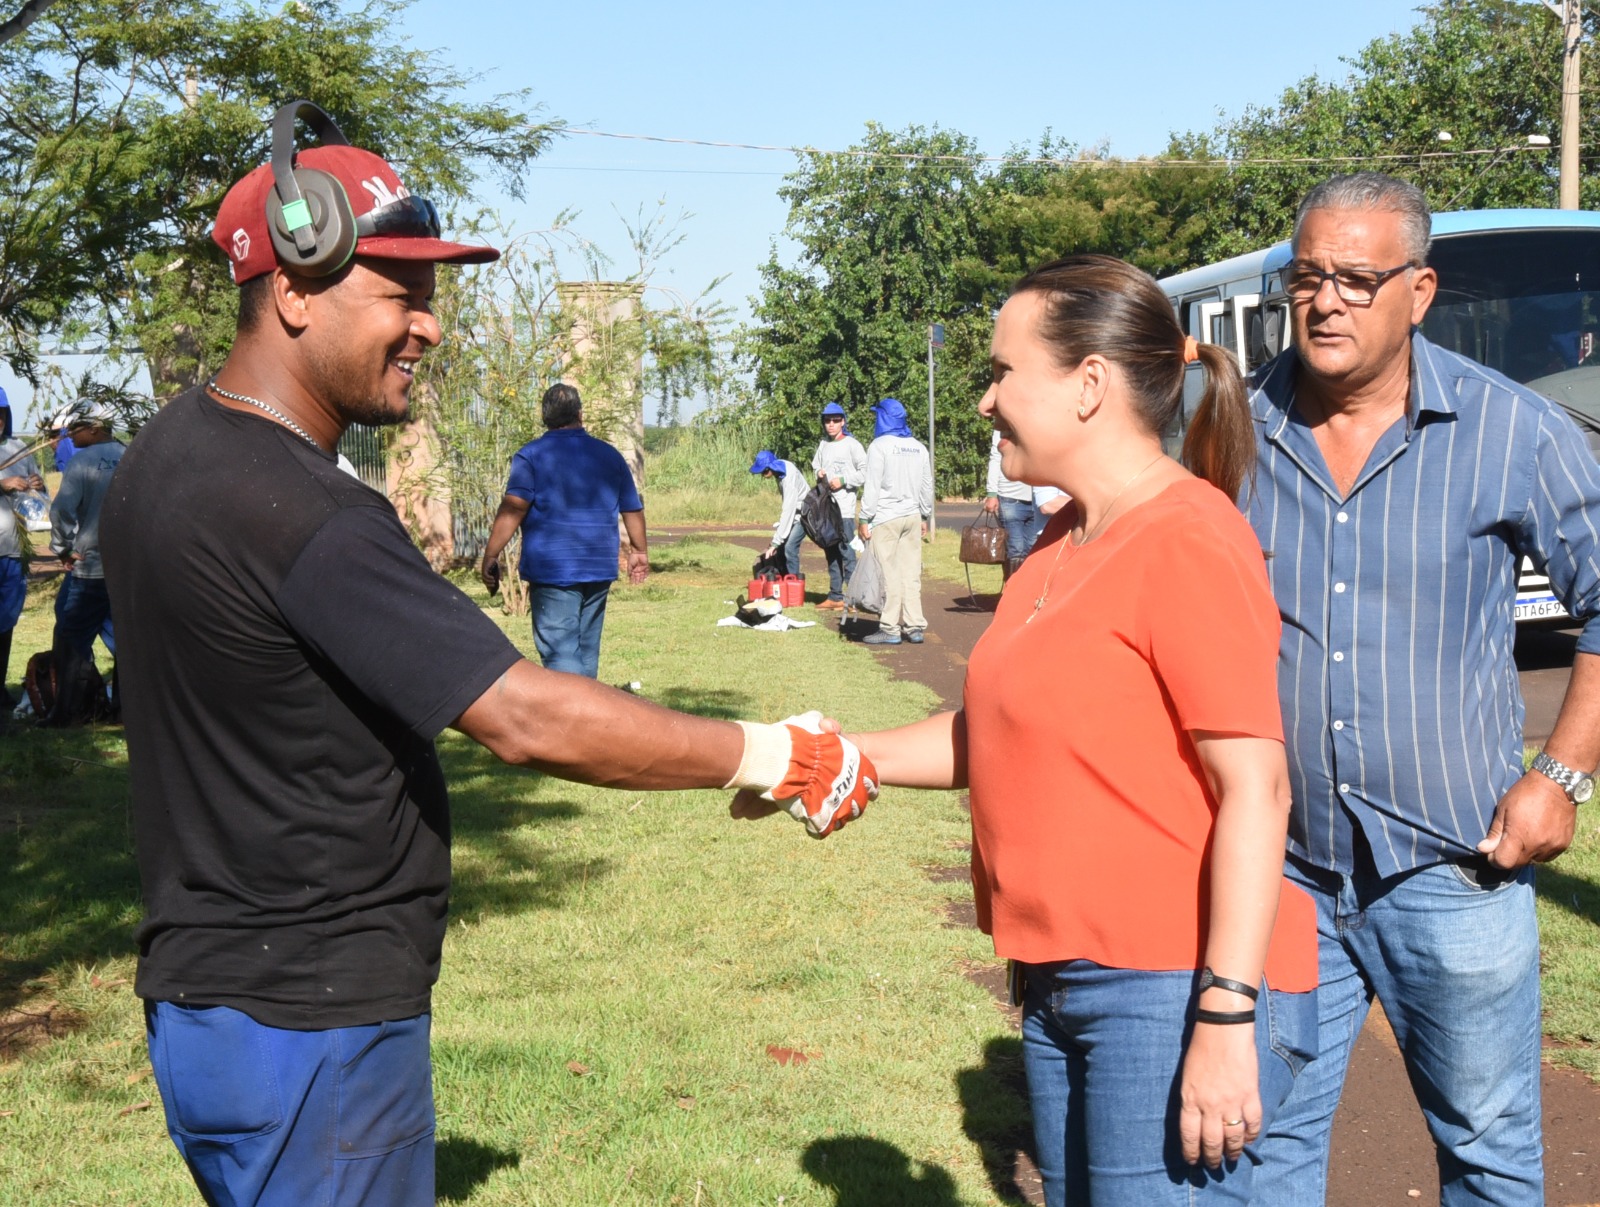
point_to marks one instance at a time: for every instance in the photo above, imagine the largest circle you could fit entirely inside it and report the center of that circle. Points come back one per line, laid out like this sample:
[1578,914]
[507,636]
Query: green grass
[1569,953]
[618,964]
[617,967]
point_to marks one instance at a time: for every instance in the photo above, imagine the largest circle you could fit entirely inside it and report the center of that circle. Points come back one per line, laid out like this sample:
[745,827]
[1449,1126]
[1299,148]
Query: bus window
[1526,303]
[1194,386]
[1192,312]
[1222,330]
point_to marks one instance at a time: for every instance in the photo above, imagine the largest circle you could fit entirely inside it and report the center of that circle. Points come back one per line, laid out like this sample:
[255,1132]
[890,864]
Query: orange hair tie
[1191,350]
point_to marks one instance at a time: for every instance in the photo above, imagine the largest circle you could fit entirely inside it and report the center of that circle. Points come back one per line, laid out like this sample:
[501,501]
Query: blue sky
[1126,74]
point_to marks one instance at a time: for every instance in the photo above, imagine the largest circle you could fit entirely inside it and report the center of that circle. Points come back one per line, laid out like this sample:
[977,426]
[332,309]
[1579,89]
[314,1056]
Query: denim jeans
[841,560]
[83,611]
[791,549]
[841,565]
[1103,1048]
[1023,524]
[280,1118]
[566,625]
[1456,965]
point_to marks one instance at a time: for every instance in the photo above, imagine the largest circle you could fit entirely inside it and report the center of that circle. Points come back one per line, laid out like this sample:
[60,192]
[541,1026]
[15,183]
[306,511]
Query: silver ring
[1233,1123]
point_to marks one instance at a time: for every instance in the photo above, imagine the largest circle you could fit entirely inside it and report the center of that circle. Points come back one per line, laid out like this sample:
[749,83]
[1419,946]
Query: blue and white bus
[1519,291]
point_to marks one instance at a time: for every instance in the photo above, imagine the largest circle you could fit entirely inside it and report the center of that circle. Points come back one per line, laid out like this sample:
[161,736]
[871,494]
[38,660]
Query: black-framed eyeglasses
[833,419]
[414,217]
[1355,286]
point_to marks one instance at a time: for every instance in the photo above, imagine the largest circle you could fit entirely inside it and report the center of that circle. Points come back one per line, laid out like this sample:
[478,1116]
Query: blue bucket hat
[765,461]
[833,408]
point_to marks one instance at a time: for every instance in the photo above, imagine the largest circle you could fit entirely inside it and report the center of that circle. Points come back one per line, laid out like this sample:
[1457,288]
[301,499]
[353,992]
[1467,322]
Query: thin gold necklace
[1087,537]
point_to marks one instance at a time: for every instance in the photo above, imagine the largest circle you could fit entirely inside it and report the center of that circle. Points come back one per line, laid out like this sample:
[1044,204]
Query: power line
[1049,161]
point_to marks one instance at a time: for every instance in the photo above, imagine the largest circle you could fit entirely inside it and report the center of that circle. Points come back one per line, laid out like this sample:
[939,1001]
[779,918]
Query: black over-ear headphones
[309,216]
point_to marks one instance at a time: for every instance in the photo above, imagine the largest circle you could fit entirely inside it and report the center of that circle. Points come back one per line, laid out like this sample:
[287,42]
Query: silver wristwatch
[1578,785]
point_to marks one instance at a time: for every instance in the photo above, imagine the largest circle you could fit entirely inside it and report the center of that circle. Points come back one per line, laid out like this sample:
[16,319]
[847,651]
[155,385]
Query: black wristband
[1223,1017]
[1209,979]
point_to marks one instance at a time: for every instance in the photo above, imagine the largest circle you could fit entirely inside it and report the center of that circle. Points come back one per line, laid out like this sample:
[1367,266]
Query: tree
[123,123]
[509,331]
[879,229]
[1487,72]
[1155,213]
[26,16]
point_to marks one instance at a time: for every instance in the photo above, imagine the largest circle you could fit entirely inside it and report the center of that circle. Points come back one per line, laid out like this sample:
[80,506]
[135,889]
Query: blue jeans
[791,549]
[841,565]
[275,1118]
[566,625]
[1456,965]
[83,611]
[1103,1048]
[1023,524]
[841,560]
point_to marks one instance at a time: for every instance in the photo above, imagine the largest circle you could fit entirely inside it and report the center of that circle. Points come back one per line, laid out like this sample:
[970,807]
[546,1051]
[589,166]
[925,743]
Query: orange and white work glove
[822,779]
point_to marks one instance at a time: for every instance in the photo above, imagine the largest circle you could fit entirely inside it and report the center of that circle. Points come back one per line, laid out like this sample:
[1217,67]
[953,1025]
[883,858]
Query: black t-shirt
[286,658]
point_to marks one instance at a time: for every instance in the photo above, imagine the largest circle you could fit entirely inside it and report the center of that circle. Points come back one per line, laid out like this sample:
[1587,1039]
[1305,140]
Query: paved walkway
[1381,1149]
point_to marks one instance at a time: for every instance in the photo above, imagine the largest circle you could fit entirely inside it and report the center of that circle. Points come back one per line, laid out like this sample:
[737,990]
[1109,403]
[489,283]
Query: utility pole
[935,340]
[1571,14]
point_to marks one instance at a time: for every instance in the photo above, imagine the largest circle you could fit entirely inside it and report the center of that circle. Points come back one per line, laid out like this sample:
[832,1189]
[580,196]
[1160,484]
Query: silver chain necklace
[262,406]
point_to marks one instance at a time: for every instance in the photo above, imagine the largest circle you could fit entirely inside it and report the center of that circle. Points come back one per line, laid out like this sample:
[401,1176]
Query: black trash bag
[819,516]
[769,566]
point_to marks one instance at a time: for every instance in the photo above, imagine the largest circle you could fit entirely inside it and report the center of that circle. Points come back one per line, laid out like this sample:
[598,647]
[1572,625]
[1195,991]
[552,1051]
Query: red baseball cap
[370,184]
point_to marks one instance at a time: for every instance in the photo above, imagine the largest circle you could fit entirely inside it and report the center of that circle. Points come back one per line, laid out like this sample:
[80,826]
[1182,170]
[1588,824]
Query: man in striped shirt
[1399,486]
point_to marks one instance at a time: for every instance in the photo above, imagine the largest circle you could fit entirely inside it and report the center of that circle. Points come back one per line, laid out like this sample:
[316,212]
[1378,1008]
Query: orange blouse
[1091,817]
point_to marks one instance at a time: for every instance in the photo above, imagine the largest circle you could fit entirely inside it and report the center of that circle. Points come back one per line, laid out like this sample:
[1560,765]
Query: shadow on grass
[69,885]
[500,867]
[863,1171]
[463,1165]
[996,1117]
[1578,895]
[717,703]
[69,890]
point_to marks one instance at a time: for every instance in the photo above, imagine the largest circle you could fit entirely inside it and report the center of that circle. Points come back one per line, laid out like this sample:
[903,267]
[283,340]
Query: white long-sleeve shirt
[846,460]
[795,487]
[899,480]
[1000,485]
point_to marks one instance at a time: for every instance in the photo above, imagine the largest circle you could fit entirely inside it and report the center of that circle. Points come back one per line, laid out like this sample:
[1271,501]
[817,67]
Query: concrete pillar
[420,491]
[606,364]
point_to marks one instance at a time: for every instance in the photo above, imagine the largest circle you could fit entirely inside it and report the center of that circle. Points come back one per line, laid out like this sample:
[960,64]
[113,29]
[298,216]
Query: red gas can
[792,590]
[761,588]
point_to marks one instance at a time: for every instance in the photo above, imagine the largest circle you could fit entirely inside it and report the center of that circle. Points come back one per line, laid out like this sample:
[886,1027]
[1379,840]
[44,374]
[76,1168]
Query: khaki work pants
[897,545]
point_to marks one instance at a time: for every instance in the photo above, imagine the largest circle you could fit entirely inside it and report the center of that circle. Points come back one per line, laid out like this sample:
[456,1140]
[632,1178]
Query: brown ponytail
[1220,445]
[1100,304]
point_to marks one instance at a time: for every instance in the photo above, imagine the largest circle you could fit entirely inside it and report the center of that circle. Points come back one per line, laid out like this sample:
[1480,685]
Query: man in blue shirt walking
[1399,486]
[566,491]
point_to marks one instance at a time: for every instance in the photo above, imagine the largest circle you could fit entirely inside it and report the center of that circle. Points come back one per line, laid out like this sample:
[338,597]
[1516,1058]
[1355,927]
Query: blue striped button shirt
[1401,707]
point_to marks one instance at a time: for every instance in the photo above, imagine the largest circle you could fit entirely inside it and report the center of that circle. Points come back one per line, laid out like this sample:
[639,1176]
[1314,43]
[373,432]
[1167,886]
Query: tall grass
[702,475]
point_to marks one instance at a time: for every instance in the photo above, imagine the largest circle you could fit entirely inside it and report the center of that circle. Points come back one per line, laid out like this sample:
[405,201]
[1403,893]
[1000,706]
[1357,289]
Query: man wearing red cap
[287,659]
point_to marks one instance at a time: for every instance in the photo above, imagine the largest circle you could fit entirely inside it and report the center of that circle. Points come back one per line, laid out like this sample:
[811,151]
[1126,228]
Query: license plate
[1539,609]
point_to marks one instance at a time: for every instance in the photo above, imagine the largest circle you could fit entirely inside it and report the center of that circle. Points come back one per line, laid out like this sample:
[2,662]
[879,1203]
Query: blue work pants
[266,1117]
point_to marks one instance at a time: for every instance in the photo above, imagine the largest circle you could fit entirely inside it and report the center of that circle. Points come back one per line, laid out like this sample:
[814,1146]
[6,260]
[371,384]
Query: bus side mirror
[1266,335]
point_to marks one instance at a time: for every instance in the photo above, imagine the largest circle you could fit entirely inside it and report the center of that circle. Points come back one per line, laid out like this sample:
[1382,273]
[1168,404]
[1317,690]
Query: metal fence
[365,448]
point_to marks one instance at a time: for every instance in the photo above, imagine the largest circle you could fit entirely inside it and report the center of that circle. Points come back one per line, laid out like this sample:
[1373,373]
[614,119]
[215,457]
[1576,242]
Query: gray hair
[1375,191]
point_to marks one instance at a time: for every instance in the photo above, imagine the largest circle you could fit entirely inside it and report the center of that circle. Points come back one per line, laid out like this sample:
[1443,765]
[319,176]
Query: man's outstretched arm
[574,728]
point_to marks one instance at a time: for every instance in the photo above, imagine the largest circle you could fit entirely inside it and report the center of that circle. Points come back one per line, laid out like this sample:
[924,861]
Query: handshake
[819,778]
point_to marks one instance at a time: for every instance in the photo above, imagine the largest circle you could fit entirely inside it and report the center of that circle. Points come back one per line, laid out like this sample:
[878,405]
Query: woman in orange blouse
[1122,743]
